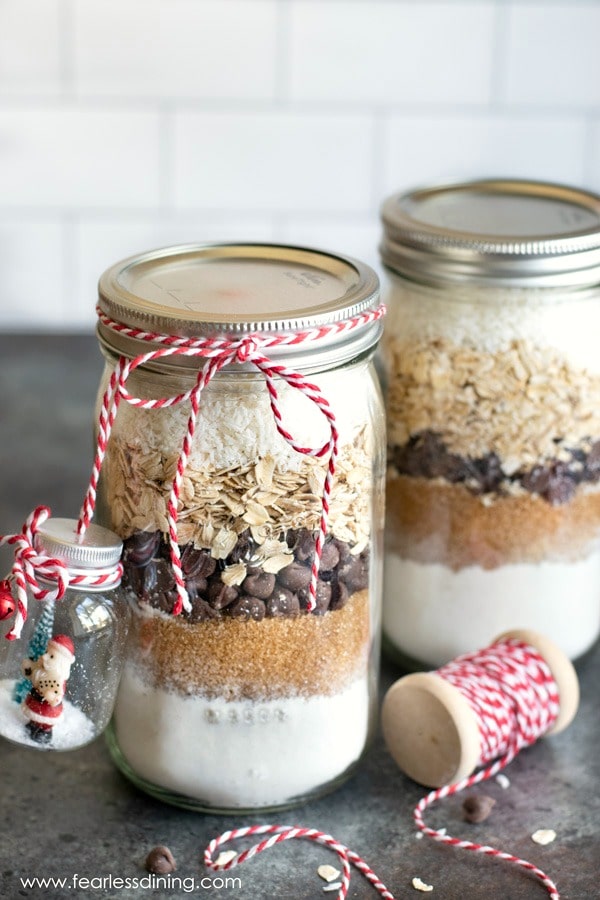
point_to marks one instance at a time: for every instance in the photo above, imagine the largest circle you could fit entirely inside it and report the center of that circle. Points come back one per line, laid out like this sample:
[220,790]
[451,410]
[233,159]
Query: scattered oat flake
[224,857]
[419,835]
[328,873]
[421,886]
[503,781]
[544,836]
[334,886]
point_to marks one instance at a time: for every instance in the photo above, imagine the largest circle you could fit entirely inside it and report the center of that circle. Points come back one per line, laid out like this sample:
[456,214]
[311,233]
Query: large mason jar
[252,695]
[493,410]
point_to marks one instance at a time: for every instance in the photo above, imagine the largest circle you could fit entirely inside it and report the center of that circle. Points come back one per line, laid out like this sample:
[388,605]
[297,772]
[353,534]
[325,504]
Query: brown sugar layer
[239,659]
[433,521]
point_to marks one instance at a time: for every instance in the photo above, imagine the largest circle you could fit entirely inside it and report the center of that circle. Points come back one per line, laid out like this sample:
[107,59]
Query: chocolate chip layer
[425,456]
[261,594]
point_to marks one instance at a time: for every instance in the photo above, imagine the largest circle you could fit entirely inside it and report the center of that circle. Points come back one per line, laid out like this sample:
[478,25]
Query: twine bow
[30,564]
[219,353]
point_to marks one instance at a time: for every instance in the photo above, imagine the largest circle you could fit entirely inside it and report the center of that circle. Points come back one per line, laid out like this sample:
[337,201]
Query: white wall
[129,124]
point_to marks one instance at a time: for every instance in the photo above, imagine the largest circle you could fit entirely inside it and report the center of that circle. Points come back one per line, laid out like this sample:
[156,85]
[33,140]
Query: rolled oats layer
[493,457]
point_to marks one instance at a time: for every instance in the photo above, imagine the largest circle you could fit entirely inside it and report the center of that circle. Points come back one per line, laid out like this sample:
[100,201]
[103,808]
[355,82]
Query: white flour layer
[434,614]
[241,753]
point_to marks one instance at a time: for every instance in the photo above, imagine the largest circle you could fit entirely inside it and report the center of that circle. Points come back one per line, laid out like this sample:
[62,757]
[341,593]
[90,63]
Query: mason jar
[252,696]
[59,678]
[493,411]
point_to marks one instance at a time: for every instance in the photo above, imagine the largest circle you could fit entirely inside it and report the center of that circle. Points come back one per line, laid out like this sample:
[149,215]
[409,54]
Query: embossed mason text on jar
[244,472]
[493,407]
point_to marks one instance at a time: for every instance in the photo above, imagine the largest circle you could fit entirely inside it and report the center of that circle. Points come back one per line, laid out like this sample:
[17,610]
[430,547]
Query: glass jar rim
[494,231]
[275,292]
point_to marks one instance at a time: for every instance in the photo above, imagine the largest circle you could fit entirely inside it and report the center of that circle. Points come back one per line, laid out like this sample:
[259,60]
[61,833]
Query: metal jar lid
[228,290]
[100,548]
[494,231]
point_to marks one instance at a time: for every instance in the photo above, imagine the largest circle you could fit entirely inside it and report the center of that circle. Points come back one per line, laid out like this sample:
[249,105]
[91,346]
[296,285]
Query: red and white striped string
[514,695]
[219,353]
[515,698]
[279,833]
[30,564]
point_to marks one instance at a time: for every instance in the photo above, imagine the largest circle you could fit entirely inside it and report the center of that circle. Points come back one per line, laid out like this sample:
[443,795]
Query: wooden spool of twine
[440,726]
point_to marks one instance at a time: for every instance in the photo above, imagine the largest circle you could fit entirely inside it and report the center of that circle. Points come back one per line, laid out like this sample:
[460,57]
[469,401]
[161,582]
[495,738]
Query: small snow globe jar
[493,413]
[58,679]
[258,693]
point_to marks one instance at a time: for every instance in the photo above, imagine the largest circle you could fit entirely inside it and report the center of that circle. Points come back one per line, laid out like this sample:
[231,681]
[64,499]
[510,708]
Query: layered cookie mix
[279,695]
[493,489]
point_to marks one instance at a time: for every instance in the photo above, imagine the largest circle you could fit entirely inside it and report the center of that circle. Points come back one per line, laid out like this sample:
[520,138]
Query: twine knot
[30,564]
[246,350]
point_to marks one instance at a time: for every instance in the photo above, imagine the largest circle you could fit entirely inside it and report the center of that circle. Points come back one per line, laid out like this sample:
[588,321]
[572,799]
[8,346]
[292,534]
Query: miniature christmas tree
[37,647]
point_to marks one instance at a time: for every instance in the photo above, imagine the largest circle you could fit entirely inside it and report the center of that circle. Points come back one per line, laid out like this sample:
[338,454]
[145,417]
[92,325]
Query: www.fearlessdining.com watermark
[187,884]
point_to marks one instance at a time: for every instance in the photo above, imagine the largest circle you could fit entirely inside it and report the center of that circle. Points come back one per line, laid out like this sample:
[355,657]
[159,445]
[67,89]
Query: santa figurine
[48,675]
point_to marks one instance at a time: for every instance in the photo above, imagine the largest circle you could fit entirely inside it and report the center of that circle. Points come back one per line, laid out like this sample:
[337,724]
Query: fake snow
[72,730]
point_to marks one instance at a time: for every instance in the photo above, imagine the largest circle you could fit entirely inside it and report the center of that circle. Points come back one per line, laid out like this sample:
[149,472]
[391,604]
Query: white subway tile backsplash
[552,55]
[272,161]
[131,124]
[402,52]
[74,157]
[593,173]
[422,149]
[32,282]
[100,244]
[175,48]
[29,47]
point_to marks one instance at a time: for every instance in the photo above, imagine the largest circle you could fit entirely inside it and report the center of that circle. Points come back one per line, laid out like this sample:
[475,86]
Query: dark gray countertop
[70,813]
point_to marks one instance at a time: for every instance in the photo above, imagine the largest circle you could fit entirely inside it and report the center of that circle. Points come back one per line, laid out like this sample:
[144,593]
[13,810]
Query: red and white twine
[30,564]
[218,354]
[514,695]
[281,833]
[515,698]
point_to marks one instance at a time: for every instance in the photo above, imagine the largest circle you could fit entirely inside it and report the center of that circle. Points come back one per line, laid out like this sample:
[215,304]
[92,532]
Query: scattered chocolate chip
[260,584]
[555,483]
[248,607]
[354,574]
[196,586]
[164,600]
[242,548]
[160,861]
[339,595]
[197,562]
[343,550]
[202,611]
[323,598]
[305,545]
[220,595]
[163,574]
[294,577]
[591,471]
[477,807]
[330,556]
[283,603]
[140,548]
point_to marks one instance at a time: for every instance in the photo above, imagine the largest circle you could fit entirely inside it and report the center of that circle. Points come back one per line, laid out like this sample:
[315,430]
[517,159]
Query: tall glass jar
[493,409]
[248,699]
